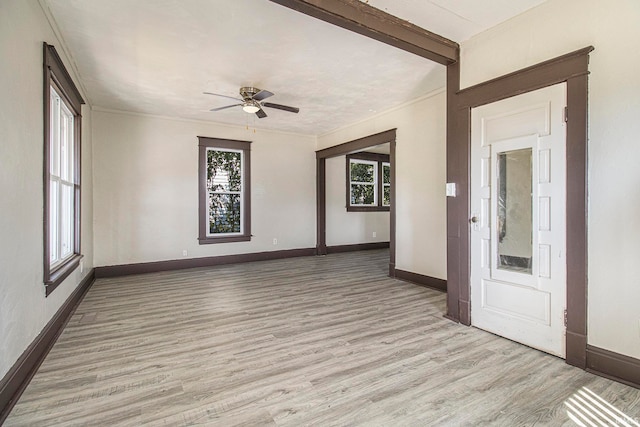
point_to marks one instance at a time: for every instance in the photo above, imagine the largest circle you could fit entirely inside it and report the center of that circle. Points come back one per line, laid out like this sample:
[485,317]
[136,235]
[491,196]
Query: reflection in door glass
[515,207]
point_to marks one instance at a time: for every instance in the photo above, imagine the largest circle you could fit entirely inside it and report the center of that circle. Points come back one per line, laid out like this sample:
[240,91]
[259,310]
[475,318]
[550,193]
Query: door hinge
[565,318]
[566,114]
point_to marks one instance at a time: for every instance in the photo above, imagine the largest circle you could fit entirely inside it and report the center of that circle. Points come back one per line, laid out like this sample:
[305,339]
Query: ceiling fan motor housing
[248,92]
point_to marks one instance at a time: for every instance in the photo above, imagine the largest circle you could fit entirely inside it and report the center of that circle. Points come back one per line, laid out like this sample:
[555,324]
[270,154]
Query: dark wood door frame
[321,187]
[572,69]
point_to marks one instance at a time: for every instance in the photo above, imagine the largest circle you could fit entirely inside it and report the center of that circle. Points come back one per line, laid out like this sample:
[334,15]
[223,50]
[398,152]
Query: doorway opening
[362,144]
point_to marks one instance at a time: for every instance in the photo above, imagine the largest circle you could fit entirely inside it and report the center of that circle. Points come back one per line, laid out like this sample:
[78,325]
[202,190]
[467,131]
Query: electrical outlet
[275,241]
[375,234]
[184,252]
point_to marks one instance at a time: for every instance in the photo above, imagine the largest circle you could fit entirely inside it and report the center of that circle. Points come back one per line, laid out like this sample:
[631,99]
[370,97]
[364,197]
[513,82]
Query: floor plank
[307,341]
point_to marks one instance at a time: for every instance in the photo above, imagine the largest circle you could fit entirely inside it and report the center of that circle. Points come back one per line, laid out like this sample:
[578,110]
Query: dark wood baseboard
[422,280]
[20,374]
[615,366]
[181,264]
[357,247]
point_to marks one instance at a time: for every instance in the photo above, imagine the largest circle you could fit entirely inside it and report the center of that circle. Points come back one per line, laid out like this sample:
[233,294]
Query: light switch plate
[451,189]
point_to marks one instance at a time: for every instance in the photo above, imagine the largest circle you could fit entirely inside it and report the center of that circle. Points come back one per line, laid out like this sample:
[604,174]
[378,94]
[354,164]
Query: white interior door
[518,197]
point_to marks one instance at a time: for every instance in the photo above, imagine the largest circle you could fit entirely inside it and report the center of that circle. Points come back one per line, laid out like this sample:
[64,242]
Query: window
[368,182]
[225,201]
[62,120]
[386,184]
[364,174]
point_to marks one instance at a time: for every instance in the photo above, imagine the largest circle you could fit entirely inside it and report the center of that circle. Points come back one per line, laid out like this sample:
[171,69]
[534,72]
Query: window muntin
[224,190]
[363,182]
[61,171]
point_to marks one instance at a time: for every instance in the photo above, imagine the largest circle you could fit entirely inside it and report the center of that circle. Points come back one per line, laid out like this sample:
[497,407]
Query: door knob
[473,219]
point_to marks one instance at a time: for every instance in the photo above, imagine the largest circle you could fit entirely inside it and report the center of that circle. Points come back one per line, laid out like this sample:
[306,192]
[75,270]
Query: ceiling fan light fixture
[250,106]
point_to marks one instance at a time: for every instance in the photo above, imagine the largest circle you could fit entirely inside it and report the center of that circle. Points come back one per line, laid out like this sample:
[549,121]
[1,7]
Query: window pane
[515,207]
[54,207]
[224,170]
[386,201]
[224,213]
[362,194]
[54,134]
[386,173]
[66,221]
[66,144]
[362,172]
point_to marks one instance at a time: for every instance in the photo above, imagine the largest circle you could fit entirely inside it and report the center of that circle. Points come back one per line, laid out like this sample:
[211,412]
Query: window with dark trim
[224,170]
[61,177]
[368,182]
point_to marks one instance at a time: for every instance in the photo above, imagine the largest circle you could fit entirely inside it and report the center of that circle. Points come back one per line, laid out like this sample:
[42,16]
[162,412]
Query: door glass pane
[515,207]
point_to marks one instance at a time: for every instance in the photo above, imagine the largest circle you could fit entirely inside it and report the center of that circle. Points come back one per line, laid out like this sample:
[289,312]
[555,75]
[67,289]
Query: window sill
[368,209]
[60,273]
[226,239]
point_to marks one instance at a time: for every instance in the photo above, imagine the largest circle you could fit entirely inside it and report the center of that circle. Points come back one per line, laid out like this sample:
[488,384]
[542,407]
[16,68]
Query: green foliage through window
[362,194]
[362,172]
[224,185]
[386,184]
[363,182]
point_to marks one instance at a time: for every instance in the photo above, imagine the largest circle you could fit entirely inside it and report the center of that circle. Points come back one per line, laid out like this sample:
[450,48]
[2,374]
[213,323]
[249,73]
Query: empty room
[319,212]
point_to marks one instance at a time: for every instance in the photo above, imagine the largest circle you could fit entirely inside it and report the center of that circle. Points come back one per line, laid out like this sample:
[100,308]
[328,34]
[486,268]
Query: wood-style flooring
[323,341]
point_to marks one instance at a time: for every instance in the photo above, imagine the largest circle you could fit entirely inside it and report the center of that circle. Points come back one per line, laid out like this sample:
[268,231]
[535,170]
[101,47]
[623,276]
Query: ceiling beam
[359,17]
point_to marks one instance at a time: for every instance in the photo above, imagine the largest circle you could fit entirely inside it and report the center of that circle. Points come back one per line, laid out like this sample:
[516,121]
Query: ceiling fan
[251,101]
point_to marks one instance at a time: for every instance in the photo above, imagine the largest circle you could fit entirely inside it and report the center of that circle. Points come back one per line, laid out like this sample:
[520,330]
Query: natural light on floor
[587,409]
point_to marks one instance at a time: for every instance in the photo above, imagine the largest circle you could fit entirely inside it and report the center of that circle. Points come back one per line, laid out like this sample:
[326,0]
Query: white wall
[146,189]
[24,309]
[346,228]
[613,28]
[421,244]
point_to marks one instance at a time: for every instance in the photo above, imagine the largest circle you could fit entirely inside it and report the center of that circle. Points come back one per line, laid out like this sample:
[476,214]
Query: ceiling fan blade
[281,107]
[261,114]
[224,96]
[225,107]
[263,94]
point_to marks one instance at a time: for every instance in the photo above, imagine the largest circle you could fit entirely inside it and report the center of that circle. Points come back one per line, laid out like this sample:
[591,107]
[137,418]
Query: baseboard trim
[181,264]
[357,247]
[614,366]
[422,280]
[16,380]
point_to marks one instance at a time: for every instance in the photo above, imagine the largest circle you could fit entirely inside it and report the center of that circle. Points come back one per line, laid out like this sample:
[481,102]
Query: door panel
[518,197]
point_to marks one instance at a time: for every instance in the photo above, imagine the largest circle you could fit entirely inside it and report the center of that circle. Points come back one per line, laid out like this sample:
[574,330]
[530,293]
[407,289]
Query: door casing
[573,69]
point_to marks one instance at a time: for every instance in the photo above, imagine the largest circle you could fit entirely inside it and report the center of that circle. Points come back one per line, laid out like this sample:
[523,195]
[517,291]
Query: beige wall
[24,309]
[552,29]
[420,180]
[146,189]
[345,228]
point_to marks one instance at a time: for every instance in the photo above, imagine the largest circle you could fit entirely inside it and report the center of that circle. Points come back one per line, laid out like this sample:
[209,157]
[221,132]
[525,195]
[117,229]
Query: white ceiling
[158,56]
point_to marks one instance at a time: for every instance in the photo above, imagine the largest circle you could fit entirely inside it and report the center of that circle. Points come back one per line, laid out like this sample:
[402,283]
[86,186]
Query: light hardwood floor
[309,341]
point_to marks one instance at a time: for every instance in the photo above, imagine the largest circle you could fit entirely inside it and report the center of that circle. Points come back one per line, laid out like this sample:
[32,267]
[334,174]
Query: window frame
[373,184]
[204,145]
[55,75]
[380,160]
